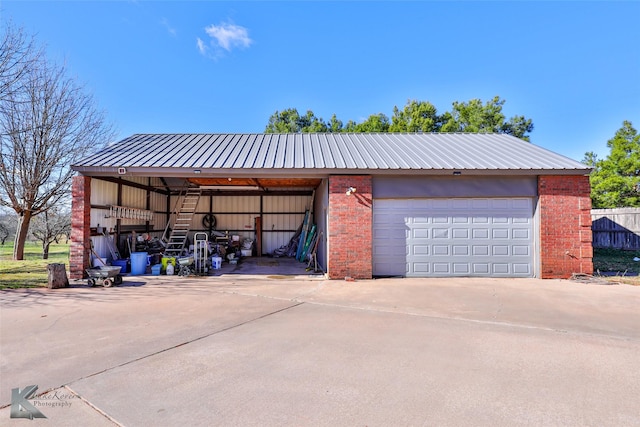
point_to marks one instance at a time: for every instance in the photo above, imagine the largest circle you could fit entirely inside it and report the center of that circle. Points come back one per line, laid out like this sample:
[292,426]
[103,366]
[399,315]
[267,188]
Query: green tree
[285,121]
[374,123]
[335,125]
[590,159]
[615,180]
[416,116]
[290,121]
[474,116]
[309,123]
[518,126]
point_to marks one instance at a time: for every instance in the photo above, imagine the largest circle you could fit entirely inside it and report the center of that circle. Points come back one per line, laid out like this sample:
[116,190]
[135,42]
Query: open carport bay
[247,350]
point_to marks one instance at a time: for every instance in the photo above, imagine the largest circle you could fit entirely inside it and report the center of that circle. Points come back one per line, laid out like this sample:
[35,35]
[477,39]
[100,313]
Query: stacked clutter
[307,243]
[229,248]
[290,249]
[247,247]
[304,243]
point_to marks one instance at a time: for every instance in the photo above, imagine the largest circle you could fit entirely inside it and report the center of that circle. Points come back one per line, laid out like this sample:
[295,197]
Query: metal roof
[326,153]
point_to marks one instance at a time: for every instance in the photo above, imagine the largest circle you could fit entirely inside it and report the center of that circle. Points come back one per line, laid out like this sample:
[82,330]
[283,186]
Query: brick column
[565,226]
[80,222]
[350,228]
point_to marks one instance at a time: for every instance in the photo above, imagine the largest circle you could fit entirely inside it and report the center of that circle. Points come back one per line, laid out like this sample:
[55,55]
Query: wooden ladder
[182,225]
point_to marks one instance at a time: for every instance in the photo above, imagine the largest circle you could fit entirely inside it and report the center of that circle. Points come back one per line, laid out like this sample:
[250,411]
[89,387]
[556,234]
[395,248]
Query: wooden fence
[616,228]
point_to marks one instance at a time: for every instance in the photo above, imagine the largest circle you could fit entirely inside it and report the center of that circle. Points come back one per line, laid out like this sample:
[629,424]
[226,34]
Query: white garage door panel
[453,237]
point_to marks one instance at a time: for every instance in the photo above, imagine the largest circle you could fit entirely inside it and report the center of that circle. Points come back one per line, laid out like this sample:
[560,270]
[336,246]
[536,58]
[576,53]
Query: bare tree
[47,122]
[4,233]
[49,226]
[17,54]
[7,225]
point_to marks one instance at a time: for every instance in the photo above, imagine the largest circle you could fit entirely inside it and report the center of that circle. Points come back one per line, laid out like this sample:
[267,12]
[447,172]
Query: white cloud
[227,36]
[201,46]
[165,23]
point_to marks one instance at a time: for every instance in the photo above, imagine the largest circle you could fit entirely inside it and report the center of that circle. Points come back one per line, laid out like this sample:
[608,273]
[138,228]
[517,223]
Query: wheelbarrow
[186,265]
[107,276]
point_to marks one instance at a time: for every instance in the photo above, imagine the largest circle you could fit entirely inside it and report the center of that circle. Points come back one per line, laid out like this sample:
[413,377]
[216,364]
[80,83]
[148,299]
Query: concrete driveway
[253,350]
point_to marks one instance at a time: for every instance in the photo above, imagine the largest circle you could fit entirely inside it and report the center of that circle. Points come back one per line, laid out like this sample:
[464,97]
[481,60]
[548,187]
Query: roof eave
[308,172]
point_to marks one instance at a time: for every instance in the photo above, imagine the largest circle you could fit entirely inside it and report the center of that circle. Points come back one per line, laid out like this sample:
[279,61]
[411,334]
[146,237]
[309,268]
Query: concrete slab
[52,337]
[267,266]
[320,365]
[237,350]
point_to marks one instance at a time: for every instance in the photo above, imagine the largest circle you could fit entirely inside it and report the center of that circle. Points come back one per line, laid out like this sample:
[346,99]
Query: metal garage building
[421,205]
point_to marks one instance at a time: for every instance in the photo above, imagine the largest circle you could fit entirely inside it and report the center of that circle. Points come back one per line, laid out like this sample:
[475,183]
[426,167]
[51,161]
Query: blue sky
[213,66]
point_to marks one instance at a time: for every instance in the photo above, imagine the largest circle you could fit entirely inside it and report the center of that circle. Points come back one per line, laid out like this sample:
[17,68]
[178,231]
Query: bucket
[167,260]
[216,262]
[139,262]
[155,269]
[122,263]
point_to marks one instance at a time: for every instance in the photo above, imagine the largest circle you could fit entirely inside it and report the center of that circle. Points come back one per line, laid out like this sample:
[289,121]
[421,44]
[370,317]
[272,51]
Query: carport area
[253,350]
[202,226]
[359,205]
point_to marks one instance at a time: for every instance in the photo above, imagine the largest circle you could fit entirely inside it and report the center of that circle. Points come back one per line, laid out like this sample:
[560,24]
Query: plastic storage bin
[139,262]
[122,263]
[155,269]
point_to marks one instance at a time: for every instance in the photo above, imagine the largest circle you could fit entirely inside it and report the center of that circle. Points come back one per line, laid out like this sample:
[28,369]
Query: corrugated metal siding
[272,238]
[283,213]
[134,197]
[106,194]
[103,192]
[328,151]
[321,207]
[157,202]
[99,217]
[233,213]
[276,204]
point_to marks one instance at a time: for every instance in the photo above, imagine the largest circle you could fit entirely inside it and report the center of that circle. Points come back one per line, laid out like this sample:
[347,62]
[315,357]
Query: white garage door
[490,237]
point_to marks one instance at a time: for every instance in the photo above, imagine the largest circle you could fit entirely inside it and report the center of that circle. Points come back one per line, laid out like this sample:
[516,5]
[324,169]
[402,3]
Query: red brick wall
[80,221]
[350,228]
[565,226]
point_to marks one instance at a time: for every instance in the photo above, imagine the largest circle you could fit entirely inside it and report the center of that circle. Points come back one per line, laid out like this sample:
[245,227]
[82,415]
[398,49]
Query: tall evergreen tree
[615,180]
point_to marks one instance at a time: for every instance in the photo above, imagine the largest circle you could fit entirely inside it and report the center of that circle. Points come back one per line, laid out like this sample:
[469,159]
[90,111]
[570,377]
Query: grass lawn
[617,265]
[32,271]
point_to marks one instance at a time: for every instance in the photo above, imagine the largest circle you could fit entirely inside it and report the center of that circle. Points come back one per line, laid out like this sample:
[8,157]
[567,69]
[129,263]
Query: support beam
[350,251]
[80,223]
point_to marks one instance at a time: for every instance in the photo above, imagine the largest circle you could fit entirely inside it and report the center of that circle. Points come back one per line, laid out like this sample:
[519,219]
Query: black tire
[209,221]
[117,280]
[107,283]
[91,282]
